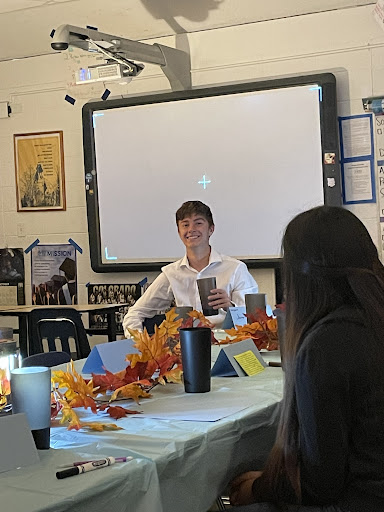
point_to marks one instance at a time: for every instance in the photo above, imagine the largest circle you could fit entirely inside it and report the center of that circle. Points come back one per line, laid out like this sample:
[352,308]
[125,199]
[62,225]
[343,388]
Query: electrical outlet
[21,229]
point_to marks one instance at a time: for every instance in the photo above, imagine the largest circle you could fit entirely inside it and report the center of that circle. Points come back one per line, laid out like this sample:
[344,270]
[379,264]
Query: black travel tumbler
[195,343]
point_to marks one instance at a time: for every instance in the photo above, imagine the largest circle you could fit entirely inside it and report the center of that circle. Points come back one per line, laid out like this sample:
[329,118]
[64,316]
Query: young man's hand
[241,488]
[219,299]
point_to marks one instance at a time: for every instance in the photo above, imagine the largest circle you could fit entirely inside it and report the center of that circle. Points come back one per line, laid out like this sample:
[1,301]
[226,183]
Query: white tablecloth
[178,465]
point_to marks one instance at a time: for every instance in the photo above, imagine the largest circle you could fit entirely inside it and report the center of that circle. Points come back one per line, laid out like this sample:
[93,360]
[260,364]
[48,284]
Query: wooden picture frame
[39,168]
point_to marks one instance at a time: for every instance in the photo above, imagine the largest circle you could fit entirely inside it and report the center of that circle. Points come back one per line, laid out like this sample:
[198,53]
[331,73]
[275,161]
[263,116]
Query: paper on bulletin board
[379,134]
[356,136]
[357,159]
[357,181]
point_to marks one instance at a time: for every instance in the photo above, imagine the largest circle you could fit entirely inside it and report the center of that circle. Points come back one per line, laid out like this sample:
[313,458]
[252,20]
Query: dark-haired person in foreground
[177,281]
[329,452]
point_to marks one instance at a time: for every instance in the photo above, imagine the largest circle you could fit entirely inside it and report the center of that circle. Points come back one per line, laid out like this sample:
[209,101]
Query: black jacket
[339,391]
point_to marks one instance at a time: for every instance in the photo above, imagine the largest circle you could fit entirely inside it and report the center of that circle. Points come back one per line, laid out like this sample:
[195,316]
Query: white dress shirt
[178,281]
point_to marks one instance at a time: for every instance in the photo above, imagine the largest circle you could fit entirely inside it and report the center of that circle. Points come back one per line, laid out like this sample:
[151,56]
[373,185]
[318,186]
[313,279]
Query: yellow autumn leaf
[73,382]
[100,427]
[5,388]
[173,375]
[151,347]
[169,328]
[199,316]
[132,390]
[69,415]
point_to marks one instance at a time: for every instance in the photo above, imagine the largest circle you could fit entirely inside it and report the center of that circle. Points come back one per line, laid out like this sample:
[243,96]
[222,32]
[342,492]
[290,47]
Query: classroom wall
[348,43]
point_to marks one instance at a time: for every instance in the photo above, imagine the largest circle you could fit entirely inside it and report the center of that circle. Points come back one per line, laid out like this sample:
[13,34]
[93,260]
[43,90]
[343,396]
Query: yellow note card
[249,363]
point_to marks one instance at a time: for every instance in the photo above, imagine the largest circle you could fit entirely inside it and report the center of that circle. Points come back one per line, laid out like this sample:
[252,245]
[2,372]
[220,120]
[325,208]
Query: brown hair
[194,208]
[329,261]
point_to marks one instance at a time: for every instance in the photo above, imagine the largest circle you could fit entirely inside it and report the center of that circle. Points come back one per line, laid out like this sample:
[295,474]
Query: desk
[22,313]
[180,465]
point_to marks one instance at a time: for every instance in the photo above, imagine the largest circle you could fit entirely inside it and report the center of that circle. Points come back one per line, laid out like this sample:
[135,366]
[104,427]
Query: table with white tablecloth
[178,464]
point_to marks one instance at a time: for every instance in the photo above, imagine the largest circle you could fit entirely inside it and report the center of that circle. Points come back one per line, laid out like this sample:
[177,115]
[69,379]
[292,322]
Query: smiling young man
[177,280]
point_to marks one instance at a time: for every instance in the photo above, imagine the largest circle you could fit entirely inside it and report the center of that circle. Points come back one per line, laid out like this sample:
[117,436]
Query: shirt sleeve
[243,283]
[157,298]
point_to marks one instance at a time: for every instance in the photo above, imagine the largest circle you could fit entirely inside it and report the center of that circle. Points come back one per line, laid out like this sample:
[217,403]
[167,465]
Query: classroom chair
[49,359]
[57,324]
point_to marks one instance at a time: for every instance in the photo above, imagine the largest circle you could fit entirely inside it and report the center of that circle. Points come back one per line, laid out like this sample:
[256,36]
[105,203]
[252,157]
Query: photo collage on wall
[112,294]
[12,277]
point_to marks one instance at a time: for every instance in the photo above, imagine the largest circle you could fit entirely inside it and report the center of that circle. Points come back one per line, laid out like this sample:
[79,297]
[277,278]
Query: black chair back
[46,359]
[57,323]
[149,323]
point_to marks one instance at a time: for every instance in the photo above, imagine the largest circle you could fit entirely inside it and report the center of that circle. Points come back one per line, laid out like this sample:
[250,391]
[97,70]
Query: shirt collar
[214,257]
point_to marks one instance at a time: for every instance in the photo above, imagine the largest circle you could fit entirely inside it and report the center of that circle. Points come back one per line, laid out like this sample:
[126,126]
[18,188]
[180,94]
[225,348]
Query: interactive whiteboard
[257,154]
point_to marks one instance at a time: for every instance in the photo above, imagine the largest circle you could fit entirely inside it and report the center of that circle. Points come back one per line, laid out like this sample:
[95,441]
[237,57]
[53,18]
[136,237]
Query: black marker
[84,468]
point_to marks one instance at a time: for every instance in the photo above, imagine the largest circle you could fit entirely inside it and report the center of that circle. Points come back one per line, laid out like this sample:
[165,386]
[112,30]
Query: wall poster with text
[54,274]
[39,167]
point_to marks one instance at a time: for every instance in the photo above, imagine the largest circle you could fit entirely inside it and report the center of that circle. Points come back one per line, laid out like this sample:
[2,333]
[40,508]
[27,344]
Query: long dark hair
[329,260]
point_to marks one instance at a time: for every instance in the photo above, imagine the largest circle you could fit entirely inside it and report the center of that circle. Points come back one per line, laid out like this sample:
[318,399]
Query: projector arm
[174,63]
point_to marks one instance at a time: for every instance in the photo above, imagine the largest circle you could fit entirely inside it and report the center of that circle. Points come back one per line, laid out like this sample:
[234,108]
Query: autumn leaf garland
[158,362]
[262,329]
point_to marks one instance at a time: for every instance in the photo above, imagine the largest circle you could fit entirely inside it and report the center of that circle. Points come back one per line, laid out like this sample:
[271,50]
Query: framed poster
[39,167]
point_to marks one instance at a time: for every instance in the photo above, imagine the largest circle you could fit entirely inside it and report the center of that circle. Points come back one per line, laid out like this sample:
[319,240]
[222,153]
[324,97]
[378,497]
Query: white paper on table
[211,406]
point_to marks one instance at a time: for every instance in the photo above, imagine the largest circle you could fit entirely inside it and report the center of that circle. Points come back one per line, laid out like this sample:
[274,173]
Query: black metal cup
[195,343]
[205,286]
[254,301]
[182,312]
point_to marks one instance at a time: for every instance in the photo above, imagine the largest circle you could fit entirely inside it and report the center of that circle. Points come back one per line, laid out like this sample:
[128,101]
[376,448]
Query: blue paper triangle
[94,363]
[235,316]
[111,356]
[223,366]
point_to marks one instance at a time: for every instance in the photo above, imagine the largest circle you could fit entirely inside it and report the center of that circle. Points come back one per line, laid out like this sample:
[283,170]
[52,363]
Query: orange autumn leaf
[133,390]
[203,321]
[140,373]
[170,369]
[262,330]
[109,381]
[84,401]
[116,412]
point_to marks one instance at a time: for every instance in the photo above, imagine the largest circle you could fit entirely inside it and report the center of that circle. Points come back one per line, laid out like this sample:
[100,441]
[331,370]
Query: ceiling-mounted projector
[175,63]
[107,72]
